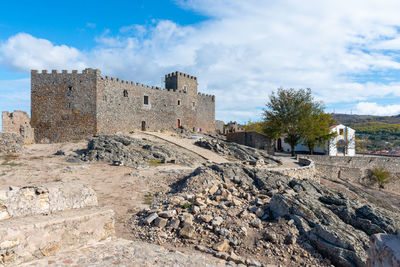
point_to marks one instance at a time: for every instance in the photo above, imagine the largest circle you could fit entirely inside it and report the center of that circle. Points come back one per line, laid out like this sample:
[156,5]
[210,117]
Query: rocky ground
[134,152]
[249,215]
[237,152]
[242,213]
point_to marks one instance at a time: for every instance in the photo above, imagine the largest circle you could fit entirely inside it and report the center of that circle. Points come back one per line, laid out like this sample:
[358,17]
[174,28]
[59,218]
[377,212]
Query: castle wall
[75,105]
[18,122]
[63,105]
[205,115]
[121,106]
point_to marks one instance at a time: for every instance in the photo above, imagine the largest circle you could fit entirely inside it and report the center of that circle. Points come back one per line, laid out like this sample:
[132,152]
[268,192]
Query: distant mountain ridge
[350,118]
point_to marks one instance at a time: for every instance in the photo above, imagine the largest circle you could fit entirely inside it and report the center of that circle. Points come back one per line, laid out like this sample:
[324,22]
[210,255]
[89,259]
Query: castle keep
[67,106]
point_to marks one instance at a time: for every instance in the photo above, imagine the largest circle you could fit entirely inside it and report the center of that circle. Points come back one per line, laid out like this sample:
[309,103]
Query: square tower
[182,82]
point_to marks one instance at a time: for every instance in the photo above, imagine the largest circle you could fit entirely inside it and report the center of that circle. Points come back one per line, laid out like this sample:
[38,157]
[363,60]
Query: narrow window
[104,98]
[193,104]
[146,100]
[179,102]
[70,88]
[341,132]
[184,88]
[125,93]
[69,105]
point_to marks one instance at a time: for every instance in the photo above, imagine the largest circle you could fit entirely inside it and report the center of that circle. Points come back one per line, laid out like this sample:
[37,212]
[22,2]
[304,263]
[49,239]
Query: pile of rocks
[239,152]
[133,152]
[11,142]
[233,211]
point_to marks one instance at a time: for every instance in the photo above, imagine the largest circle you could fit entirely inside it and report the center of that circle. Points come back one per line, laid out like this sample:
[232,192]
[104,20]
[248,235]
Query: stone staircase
[59,224]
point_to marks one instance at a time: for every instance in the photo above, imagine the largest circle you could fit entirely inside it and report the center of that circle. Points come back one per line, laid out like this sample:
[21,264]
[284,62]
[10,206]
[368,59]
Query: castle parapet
[177,73]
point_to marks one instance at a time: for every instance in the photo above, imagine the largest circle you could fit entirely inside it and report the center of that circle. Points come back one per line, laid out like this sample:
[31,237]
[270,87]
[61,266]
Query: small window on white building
[146,100]
[341,131]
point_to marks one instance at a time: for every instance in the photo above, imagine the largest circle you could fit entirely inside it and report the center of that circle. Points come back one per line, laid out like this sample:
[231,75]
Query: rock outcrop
[239,152]
[133,152]
[384,251]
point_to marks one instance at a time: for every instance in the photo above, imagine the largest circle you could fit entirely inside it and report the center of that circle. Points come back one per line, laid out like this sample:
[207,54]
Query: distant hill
[373,132]
[347,118]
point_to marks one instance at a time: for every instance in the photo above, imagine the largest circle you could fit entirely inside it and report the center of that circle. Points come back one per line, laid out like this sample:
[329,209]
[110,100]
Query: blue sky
[346,52]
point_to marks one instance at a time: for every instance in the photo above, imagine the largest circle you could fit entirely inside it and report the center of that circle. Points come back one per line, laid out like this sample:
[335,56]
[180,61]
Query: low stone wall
[45,199]
[306,171]
[384,251]
[357,169]
[11,143]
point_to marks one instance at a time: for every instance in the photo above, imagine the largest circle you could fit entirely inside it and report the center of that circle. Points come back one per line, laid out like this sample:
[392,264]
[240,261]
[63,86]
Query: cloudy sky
[347,52]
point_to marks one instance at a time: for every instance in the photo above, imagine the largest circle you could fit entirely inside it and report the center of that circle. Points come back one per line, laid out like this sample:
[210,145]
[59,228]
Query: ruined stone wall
[63,105]
[10,142]
[18,122]
[357,169]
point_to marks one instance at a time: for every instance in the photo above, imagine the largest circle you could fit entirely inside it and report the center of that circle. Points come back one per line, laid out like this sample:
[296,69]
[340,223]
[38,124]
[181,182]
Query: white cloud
[23,52]
[244,50]
[372,108]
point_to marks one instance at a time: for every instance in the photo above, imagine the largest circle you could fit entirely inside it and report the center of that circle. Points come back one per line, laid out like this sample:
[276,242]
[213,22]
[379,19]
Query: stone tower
[182,82]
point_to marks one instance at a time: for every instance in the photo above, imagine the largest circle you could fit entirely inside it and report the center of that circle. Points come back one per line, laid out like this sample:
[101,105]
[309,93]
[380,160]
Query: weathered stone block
[28,238]
[45,199]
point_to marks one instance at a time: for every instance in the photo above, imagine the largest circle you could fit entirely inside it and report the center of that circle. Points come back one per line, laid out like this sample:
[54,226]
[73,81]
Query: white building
[341,145]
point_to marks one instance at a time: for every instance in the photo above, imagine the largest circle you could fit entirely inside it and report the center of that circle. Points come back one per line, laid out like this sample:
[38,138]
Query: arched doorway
[179,123]
[143,126]
[279,148]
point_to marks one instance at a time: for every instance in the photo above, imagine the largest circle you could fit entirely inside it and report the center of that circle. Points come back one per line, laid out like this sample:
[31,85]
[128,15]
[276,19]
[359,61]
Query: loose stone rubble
[133,152]
[239,152]
[243,214]
[10,142]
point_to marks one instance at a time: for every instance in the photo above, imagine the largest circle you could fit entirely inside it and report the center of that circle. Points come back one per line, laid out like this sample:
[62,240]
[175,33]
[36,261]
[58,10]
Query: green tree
[297,116]
[316,128]
[257,126]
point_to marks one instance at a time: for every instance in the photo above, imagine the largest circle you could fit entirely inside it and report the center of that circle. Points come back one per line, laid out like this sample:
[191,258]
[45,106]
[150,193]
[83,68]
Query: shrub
[380,175]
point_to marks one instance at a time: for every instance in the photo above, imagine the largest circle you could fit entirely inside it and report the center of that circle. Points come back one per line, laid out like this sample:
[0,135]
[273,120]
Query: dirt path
[189,145]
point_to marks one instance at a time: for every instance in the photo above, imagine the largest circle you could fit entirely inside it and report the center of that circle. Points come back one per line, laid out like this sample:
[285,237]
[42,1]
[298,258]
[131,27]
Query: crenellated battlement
[85,71]
[177,73]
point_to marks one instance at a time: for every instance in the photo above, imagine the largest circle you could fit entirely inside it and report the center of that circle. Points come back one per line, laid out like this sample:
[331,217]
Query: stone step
[28,238]
[121,252]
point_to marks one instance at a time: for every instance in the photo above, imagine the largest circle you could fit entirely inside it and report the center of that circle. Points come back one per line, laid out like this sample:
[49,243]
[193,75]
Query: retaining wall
[357,169]
[306,171]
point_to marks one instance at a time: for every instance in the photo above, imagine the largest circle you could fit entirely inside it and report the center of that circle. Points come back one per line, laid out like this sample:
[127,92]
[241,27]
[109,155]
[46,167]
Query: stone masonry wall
[357,169]
[69,106]
[306,171]
[18,122]
[63,105]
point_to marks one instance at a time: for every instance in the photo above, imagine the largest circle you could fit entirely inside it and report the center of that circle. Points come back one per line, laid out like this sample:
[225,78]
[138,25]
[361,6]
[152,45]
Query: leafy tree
[317,128]
[380,175]
[287,113]
[257,126]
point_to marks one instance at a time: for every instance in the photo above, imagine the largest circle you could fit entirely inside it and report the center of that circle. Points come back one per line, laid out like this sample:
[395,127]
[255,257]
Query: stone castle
[66,106]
